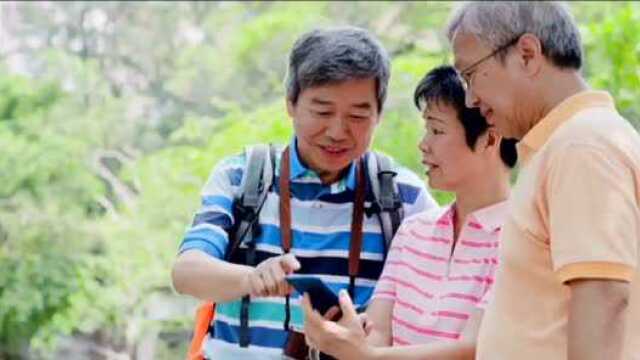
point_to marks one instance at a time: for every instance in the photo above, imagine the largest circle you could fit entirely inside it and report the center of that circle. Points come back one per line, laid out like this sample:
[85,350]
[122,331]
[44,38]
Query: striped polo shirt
[321,227]
[435,290]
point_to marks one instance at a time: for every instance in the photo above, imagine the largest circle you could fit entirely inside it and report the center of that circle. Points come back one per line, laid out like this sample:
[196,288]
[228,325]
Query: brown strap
[285,220]
[285,202]
[356,221]
[296,347]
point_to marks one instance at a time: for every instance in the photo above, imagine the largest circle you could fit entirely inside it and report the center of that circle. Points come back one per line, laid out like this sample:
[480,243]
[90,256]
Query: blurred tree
[113,113]
[613,56]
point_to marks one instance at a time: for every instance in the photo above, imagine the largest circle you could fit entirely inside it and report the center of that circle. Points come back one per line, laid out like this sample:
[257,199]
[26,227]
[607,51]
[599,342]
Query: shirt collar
[491,217]
[299,170]
[446,215]
[542,131]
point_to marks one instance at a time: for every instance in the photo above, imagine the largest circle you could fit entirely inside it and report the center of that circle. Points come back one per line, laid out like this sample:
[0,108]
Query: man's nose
[470,99]
[337,129]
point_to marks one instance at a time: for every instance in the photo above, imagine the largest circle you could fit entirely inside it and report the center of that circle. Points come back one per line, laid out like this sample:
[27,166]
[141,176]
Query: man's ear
[290,108]
[378,117]
[530,56]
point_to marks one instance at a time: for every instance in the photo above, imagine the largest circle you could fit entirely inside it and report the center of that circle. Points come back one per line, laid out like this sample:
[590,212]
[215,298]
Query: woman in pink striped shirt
[429,301]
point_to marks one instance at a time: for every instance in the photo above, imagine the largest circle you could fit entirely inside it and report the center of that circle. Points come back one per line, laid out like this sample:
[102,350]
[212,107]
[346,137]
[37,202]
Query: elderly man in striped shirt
[336,89]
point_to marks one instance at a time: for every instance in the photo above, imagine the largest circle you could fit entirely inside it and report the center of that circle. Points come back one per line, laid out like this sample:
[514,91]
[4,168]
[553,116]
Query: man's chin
[335,160]
[504,132]
[333,170]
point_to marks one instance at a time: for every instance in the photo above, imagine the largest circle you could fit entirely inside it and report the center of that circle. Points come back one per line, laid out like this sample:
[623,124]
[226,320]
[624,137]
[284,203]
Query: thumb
[289,263]
[368,326]
[363,319]
[346,305]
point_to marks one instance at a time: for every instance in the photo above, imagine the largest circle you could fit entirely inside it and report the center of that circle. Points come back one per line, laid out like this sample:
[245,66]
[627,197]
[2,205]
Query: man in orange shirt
[568,284]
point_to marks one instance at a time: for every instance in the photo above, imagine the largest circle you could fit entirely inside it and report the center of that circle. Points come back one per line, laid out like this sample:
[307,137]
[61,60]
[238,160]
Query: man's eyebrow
[364,106]
[321,101]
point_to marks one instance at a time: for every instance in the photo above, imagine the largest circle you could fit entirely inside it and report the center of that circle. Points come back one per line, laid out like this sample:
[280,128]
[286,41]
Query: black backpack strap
[256,184]
[387,202]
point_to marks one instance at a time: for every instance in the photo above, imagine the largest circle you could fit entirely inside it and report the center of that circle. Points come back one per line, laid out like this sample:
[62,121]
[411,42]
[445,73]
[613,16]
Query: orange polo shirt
[573,214]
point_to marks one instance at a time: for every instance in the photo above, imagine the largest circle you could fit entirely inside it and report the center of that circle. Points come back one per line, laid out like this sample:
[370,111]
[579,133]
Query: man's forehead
[466,48]
[360,92]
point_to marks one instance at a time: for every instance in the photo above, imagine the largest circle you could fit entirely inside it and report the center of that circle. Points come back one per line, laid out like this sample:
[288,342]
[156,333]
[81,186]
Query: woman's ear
[489,141]
[493,138]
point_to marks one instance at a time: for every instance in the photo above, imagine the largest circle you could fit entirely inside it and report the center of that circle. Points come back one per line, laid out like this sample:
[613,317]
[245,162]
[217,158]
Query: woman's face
[449,161]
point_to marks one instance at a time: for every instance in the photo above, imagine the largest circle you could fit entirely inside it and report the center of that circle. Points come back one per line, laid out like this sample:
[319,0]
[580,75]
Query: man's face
[496,88]
[334,124]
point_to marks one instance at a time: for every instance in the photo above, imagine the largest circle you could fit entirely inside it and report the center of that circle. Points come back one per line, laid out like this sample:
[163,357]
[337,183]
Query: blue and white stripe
[321,226]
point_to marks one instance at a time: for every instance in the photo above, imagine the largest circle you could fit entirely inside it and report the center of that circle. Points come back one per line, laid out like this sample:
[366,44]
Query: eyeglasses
[467,77]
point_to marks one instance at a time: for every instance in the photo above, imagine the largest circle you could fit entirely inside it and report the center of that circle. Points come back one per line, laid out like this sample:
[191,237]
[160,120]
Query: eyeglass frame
[467,83]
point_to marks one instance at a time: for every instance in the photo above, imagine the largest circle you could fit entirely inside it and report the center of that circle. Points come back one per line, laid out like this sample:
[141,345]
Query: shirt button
[316,206]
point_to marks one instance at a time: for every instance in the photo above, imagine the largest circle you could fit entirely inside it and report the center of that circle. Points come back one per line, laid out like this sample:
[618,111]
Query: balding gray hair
[334,55]
[497,23]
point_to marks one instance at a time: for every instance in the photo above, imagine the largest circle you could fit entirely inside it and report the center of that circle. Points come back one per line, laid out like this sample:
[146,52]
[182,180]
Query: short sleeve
[488,295]
[593,214]
[213,221]
[386,285]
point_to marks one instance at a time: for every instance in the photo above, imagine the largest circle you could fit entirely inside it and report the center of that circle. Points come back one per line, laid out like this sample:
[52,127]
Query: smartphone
[322,298]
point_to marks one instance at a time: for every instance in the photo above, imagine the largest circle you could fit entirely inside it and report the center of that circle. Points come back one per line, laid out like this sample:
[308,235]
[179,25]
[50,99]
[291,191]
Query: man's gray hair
[497,23]
[334,55]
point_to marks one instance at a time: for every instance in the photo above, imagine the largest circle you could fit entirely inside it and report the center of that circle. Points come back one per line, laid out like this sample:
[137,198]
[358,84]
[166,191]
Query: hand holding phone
[322,298]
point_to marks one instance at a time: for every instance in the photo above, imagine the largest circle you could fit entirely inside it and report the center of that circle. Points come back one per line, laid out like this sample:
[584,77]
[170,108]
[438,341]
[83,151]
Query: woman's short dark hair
[443,85]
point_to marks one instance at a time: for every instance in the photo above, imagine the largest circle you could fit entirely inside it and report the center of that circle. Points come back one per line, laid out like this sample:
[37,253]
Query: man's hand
[268,278]
[343,340]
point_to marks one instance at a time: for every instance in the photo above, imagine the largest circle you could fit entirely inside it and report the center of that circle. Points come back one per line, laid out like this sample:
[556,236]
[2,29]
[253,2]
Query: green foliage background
[112,115]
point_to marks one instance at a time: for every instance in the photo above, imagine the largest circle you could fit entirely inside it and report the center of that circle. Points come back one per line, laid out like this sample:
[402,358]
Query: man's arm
[597,312]
[593,228]
[204,277]
[207,278]
[200,270]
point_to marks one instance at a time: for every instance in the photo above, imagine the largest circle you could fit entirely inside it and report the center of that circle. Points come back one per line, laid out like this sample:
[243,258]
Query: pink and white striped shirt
[434,290]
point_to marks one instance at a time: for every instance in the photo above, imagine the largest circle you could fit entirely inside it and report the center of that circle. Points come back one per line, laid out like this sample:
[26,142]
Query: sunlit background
[112,115]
